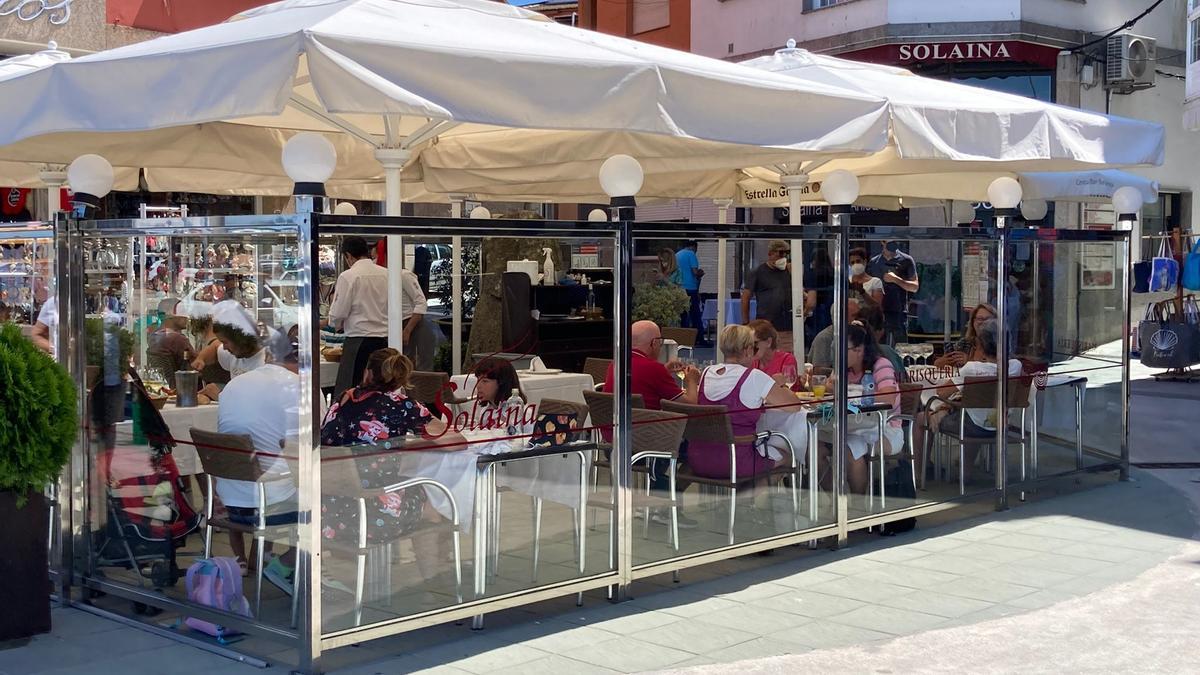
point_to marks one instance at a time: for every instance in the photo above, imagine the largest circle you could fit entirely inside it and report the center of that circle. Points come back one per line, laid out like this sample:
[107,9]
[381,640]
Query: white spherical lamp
[1127,200]
[840,188]
[345,209]
[621,176]
[481,213]
[597,216]
[90,175]
[309,158]
[1034,209]
[1004,193]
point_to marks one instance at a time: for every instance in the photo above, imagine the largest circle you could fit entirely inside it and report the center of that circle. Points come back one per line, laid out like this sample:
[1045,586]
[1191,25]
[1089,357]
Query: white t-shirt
[719,380]
[48,317]
[984,417]
[265,405]
[240,366]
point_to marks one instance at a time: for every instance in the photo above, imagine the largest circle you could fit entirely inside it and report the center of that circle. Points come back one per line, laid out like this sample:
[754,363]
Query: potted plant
[661,303]
[103,336]
[37,430]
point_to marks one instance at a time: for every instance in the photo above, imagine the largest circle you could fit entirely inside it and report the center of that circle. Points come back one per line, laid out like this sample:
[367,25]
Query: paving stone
[889,620]
[1031,542]
[810,604]
[554,665]
[757,620]
[909,577]
[758,648]
[990,552]
[808,578]
[986,589]
[1041,599]
[1065,563]
[860,589]
[698,637]
[1026,575]
[939,604]
[951,564]
[827,635]
[630,655]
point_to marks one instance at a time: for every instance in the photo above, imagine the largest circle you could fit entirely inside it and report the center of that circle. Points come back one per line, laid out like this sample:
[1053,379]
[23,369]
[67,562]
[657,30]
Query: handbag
[1191,268]
[555,429]
[1168,341]
[1164,272]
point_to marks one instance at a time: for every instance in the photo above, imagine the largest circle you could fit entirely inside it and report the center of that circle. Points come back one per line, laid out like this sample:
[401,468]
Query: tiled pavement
[958,574]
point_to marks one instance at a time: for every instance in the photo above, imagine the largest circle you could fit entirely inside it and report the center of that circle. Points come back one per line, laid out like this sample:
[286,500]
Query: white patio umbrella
[40,175]
[383,79]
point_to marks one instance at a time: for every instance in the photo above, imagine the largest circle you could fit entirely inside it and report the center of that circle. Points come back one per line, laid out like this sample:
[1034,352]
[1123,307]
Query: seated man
[652,379]
[655,383]
[168,349]
[263,404]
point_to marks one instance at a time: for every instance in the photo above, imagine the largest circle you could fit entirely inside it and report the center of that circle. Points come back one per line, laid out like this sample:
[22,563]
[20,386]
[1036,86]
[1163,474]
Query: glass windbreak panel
[192,414]
[1067,331]
[726,449]
[444,482]
[922,427]
[26,273]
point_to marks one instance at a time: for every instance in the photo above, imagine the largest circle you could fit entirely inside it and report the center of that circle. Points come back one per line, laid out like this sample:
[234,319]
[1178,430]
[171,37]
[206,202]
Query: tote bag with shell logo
[1168,341]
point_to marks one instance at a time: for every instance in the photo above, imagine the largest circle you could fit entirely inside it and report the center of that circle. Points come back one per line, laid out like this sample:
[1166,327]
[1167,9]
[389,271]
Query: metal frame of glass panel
[309,228]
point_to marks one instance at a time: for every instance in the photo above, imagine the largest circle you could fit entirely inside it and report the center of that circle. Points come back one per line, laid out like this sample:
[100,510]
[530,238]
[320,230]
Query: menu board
[974,272]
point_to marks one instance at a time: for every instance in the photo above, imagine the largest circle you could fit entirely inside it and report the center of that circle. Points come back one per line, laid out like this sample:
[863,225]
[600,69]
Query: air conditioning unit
[1130,62]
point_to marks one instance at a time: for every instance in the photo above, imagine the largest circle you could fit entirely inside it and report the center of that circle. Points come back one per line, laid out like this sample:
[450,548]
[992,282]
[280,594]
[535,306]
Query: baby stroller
[149,517]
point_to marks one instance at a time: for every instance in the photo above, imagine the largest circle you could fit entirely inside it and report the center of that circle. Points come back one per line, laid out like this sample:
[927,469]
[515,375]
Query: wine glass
[790,375]
[926,352]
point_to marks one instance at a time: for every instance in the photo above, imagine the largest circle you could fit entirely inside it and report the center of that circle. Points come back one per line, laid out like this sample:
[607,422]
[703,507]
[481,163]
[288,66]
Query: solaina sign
[955,51]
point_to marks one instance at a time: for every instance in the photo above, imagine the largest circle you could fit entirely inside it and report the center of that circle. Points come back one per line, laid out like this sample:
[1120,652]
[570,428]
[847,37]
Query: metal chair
[234,457]
[978,392]
[548,406]
[598,369]
[656,435]
[710,424]
[600,408]
[339,476]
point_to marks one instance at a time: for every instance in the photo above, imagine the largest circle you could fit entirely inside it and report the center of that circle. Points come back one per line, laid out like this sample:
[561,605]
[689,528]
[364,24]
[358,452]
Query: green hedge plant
[39,423]
[661,303]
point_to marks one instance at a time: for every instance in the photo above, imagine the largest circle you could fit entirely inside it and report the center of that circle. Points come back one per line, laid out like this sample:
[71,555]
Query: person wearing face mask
[898,271]
[770,284]
[872,287]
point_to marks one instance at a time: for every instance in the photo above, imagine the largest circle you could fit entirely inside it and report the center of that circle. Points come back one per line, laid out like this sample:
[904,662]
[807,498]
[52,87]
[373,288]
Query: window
[651,15]
[1194,39]
[818,4]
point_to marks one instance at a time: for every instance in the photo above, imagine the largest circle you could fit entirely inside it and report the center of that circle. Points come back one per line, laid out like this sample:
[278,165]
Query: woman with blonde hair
[668,269]
[746,394]
[968,348]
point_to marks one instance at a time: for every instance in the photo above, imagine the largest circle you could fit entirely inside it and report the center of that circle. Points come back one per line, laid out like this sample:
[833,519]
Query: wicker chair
[233,457]
[598,369]
[426,387]
[339,476]
[656,435]
[684,337]
[978,392]
[710,424]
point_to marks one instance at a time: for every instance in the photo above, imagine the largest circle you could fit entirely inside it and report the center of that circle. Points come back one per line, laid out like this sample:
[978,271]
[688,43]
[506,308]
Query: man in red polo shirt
[650,378]
[655,383]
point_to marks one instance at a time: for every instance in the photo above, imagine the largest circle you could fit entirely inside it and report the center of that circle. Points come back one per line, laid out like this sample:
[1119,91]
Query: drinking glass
[818,385]
[789,375]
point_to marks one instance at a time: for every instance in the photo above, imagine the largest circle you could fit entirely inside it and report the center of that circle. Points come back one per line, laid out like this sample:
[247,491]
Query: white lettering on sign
[57,11]
[955,51]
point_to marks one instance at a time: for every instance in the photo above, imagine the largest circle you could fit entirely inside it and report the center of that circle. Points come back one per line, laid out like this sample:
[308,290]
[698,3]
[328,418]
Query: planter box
[24,569]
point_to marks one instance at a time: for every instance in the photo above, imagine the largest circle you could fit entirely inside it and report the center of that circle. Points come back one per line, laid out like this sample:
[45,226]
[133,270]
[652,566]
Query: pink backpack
[216,583]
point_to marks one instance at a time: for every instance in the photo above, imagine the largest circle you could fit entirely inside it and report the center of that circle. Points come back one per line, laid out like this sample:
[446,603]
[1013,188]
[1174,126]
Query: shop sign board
[959,51]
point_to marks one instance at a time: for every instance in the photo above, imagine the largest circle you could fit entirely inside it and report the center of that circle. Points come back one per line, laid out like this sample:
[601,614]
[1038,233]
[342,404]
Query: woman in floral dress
[374,417]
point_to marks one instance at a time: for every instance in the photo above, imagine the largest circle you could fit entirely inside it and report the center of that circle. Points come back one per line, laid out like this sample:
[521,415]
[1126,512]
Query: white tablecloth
[560,386]
[179,421]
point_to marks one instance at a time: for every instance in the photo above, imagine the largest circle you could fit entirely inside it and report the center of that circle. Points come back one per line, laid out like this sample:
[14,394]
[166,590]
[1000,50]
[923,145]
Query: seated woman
[495,382]
[967,349]
[868,368]
[767,355]
[979,422]
[860,280]
[369,417]
[746,393]
[213,376]
[236,352]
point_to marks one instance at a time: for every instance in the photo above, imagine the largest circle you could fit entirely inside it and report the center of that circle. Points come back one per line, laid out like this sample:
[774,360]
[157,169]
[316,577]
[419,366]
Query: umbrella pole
[722,272]
[393,160]
[456,306]
[797,247]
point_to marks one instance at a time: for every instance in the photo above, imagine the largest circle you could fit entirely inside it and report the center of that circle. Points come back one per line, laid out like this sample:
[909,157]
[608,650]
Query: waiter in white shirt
[420,337]
[45,329]
[360,310]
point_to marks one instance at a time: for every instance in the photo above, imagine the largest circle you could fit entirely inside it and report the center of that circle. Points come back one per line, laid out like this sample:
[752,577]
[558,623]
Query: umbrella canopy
[937,129]
[401,73]
[26,175]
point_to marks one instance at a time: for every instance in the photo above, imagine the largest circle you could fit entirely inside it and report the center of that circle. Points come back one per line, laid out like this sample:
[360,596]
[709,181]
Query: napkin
[536,365]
